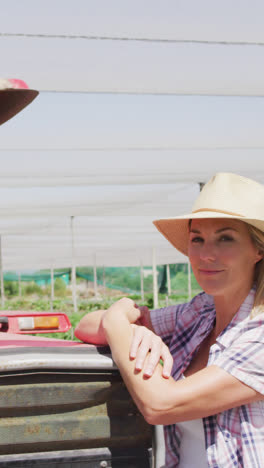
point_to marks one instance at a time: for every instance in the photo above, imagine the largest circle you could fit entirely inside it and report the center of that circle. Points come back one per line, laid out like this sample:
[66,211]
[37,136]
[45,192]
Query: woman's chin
[211,288]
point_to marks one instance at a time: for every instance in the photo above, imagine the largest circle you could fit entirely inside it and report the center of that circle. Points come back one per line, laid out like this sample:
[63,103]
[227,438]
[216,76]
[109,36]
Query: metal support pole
[168,279]
[155,279]
[73,270]
[189,282]
[104,280]
[95,278]
[19,284]
[142,281]
[51,288]
[2,276]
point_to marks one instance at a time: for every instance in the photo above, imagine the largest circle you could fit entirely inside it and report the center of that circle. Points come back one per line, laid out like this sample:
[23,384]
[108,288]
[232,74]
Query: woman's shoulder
[201,303]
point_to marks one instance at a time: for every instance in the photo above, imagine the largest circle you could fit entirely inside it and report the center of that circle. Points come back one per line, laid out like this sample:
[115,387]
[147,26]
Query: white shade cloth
[118,46]
[140,102]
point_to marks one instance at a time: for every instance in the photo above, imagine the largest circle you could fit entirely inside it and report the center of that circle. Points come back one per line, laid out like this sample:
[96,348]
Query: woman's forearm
[119,332]
[164,401]
[90,329]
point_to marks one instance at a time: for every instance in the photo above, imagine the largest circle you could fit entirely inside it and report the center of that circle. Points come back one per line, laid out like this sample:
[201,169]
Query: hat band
[219,211]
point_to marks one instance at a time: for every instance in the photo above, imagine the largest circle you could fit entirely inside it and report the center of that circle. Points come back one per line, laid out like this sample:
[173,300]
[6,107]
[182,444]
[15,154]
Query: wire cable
[145,149]
[130,39]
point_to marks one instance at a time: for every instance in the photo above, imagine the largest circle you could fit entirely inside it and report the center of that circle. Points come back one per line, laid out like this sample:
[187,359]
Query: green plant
[59,287]
[33,288]
[11,288]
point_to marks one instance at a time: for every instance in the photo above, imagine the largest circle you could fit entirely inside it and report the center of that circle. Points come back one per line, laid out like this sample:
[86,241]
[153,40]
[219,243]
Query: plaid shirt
[234,438]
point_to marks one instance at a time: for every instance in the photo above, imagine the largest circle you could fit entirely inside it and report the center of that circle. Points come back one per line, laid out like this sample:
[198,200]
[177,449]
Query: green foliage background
[35,297]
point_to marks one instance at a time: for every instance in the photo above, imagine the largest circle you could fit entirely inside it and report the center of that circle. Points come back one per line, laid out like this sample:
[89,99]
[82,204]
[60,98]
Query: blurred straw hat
[227,196]
[14,96]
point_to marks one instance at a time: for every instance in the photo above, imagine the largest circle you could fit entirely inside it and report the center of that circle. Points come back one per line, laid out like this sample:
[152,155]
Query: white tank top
[192,450]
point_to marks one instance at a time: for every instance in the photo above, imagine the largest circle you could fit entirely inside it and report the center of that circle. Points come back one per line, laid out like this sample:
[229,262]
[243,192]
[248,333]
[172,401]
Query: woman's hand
[148,348]
[125,307]
[144,317]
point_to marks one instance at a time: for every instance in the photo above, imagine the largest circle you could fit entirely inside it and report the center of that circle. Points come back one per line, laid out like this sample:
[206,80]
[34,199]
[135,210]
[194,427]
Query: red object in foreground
[27,322]
[17,84]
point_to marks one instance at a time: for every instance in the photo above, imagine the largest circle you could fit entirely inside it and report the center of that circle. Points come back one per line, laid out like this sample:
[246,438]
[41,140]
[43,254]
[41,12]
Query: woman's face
[222,255]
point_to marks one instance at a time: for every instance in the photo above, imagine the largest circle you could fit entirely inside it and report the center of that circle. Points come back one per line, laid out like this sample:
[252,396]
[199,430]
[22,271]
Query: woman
[212,406]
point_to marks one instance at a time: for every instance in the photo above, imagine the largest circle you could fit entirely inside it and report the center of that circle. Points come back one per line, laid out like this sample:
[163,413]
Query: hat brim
[13,101]
[176,230]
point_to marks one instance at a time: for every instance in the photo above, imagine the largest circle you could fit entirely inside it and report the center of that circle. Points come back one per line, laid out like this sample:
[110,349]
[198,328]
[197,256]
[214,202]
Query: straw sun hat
[227,196]
[14,96]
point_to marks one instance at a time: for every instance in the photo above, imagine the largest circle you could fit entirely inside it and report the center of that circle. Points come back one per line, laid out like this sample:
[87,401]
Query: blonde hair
[257,237]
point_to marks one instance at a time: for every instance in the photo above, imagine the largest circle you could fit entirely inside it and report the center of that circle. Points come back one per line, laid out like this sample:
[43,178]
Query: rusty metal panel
[50,396]
[69,411]
[86,458]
